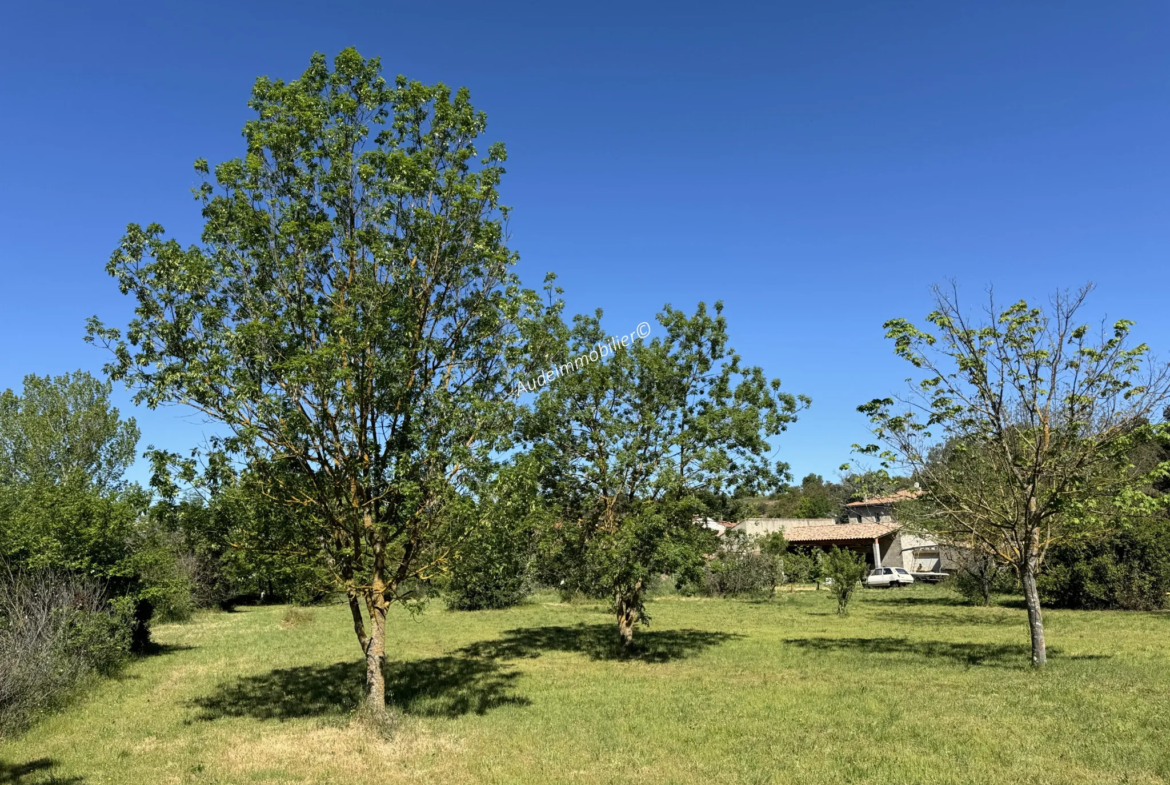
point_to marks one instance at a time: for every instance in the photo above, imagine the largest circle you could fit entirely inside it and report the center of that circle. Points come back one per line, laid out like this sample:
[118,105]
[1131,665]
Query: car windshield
[901,572]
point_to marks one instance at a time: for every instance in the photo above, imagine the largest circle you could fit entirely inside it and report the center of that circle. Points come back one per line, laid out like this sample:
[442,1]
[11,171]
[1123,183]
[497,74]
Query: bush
[807,566]
[979,575]
[495,542]
[739,569]
[1124,570]
[54,632]
[492,568]
[846,569]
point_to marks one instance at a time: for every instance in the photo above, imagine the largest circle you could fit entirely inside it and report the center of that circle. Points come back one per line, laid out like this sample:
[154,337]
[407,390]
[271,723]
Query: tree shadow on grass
[18,773]
[472,680]
[598,642]
[892,597]
[918,618]
[154,649]
[969,654]
[434,687]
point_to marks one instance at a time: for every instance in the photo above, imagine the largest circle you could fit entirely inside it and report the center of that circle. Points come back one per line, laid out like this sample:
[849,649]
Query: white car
[889,576]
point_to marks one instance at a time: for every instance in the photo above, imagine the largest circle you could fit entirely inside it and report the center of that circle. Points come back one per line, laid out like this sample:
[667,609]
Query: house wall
[754,527]
[870,513]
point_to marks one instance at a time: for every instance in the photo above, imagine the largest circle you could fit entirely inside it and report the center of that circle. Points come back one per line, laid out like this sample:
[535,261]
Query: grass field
[912,687]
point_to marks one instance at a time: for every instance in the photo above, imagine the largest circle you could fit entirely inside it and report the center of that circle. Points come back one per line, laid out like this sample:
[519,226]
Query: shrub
[1124,570]
[979,575]
[806,566]
[55,631]
[493,563]
[492,568]
[846,570]
[741,568]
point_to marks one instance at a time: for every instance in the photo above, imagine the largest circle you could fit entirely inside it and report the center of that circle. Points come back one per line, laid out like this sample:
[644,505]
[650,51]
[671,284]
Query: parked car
[889,576]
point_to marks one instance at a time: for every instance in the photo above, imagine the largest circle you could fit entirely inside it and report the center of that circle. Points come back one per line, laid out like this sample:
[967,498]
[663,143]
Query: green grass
[912,687]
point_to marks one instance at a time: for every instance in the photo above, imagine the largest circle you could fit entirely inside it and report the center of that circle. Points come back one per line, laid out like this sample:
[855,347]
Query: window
[901,571]
[889,571]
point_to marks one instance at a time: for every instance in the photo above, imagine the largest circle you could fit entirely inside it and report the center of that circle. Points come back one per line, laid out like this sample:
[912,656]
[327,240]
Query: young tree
[1022,431]
[775,547]
[351,311]
[979,573]
[631,440]
[846,569]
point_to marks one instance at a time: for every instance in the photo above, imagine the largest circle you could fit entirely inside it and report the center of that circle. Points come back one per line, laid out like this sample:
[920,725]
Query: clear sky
[816,165]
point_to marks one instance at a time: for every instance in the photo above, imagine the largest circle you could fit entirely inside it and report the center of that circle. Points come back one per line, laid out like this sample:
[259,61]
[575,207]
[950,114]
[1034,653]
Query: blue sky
[817,166]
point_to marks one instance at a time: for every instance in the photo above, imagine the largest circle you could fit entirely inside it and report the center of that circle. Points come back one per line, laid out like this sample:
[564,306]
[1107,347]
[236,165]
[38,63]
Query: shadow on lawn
[473,680]
[598,642]
[917,618]
[892,597]
[993,654]
[434,687]
[15,774]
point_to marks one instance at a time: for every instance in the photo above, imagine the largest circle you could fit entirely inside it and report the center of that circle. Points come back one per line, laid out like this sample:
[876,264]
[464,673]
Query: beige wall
[754,527]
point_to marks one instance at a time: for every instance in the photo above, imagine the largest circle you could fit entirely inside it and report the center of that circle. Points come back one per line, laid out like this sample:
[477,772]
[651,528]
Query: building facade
[870,528]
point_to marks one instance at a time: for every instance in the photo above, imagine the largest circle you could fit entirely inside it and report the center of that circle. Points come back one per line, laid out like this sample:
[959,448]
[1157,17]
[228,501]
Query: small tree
[1022,430]
[774,547]
[846,569]
[816,567]
[634,440]
[979,574]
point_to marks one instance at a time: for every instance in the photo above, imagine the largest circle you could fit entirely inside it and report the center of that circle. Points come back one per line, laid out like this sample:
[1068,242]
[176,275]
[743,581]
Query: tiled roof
[893,498]
[839,531]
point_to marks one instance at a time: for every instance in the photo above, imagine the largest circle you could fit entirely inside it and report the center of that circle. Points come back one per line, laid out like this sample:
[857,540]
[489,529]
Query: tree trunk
[627,616]
[1035,619]
[985,578]
[375,656]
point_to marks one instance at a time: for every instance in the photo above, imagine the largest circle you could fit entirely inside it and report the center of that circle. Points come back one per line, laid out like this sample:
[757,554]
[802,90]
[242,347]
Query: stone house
[869,528]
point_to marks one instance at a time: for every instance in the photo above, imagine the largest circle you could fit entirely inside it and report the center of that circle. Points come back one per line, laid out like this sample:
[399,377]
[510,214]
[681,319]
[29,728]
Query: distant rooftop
[839,531]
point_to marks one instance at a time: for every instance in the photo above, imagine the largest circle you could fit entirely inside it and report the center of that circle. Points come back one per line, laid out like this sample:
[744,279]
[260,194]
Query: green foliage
[798,567]
[63,431]
[979,575]
[350,316]
[744,566]
[815,497]
[845,569]
[64,505]
[1128,569]
[63,502]
[235,542]
[816,507]
[1023,428]
[55,630]
[493,559]
[635,436]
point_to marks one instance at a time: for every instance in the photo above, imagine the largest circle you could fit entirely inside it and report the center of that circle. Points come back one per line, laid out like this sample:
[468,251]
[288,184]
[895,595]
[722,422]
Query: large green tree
[1022,428]
[64,502]
[636,436]
[351,310]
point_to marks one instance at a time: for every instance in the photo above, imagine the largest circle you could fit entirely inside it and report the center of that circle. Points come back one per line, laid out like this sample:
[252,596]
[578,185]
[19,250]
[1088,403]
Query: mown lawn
[913,687]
